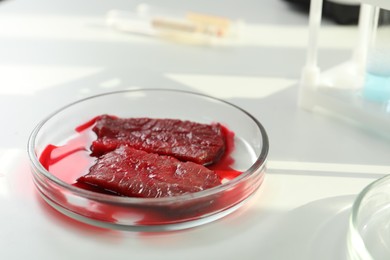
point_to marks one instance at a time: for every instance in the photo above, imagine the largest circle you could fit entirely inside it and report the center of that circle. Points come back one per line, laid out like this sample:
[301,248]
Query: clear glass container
[376,86]
[358,89]
[369,226]
[150,214]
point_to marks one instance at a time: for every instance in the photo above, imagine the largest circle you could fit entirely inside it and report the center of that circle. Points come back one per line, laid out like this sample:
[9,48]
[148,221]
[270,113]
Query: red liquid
[72,160]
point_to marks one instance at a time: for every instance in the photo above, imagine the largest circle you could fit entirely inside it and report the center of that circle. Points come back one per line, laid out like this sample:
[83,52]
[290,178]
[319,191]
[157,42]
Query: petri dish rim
[259,164]
[356,240]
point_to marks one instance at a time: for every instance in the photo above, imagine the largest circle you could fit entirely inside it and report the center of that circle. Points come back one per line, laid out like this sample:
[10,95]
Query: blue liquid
[376,88]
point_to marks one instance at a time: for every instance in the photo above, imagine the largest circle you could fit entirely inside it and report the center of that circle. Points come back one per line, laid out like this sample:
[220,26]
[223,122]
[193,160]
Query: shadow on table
[316,230]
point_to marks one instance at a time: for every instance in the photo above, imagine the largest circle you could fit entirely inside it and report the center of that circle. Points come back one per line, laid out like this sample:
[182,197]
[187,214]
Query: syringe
[188,27]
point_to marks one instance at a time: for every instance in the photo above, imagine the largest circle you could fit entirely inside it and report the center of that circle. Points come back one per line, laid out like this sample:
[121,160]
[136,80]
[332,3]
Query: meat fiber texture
[152,158]
[131,172]
[184,140]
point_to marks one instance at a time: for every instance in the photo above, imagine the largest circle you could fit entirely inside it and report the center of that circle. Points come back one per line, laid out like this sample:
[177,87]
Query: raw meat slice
[184,140]
[130,172]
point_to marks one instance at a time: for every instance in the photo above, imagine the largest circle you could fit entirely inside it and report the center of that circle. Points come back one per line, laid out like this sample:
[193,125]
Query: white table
[55,52]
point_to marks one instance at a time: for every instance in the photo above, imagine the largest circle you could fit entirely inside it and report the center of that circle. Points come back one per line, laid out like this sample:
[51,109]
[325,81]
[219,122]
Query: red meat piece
[184,140]
[134,173]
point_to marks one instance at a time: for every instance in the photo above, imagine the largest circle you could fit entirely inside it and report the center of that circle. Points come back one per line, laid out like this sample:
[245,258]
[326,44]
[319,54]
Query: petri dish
[149,214]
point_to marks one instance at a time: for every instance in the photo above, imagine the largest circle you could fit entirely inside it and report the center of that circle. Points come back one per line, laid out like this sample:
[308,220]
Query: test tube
[377,77]
[184,26]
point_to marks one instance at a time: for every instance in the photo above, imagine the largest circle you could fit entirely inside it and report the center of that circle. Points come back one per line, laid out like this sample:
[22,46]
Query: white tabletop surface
[55,52]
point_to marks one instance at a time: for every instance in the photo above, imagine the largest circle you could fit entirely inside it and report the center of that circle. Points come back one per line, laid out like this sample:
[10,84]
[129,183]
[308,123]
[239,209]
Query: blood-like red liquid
[71,160]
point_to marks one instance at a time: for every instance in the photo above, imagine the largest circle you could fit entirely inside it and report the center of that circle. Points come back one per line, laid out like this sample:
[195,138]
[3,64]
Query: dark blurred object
[341,13]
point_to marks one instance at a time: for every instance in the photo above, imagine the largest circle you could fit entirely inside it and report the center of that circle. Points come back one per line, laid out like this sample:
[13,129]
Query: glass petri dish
[149,214]
[369,226]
